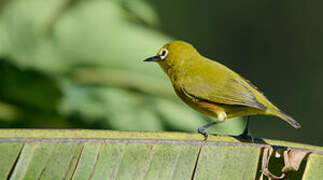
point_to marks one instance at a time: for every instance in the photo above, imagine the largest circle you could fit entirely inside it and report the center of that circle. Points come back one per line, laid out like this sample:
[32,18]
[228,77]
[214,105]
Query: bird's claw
[204,132]
[247,137]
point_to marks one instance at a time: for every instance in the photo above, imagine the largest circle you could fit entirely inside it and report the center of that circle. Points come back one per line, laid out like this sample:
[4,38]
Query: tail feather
[288,119]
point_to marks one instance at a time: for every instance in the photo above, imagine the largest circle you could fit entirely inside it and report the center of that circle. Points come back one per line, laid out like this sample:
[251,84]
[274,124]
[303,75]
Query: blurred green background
[78,63]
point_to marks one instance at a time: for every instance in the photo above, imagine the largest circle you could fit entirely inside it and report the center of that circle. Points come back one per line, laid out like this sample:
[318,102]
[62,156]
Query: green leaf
[110,152]
[142,11]
[87,160]
[68,34]
[111,107]
[94,154]
[227,161]
[4,41]
[28,87]
[9,152]
[314,167]
[177,115]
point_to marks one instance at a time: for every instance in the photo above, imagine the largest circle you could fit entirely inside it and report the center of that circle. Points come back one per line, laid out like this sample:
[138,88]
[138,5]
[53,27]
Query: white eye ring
[163,54]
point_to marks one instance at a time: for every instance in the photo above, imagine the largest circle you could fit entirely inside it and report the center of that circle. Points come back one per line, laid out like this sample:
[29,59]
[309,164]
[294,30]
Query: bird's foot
[245,133]
[247,137]
[204,132]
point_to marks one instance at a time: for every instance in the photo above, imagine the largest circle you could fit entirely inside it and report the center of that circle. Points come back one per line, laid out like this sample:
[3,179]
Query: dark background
[78,64]
[275,44]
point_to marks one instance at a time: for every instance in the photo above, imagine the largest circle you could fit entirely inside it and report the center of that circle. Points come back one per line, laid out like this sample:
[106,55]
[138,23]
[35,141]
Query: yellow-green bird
[212,88]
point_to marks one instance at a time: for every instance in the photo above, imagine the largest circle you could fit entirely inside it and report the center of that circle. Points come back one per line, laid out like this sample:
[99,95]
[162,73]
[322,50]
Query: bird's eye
[163,54]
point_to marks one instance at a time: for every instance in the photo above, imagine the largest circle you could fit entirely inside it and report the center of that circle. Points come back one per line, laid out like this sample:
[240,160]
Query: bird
[211,88]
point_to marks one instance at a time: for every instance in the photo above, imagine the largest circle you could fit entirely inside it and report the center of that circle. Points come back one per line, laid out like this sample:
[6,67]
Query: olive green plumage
[210,87]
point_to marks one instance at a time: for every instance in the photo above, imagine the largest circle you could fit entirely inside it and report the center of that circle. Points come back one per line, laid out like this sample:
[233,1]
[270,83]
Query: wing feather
[227,88]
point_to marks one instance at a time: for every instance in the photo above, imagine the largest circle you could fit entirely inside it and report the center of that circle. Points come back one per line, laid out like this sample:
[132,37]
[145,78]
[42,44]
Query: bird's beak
[153,59]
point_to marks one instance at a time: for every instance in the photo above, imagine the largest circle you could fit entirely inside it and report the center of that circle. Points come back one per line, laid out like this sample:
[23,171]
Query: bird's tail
[287,118]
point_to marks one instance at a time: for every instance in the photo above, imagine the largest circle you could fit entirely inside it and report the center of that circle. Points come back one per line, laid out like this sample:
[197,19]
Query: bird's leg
[202,130]
[220,114]
[246,129]
[245,134]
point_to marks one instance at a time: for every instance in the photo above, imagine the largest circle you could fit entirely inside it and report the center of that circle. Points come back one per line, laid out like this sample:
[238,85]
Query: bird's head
[173,55]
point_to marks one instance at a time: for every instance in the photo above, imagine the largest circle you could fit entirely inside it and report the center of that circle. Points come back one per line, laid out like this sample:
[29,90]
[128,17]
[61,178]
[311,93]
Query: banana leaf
[103,154]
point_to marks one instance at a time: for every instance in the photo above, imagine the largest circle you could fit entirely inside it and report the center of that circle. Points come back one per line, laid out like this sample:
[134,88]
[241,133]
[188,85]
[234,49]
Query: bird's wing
[227,88]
